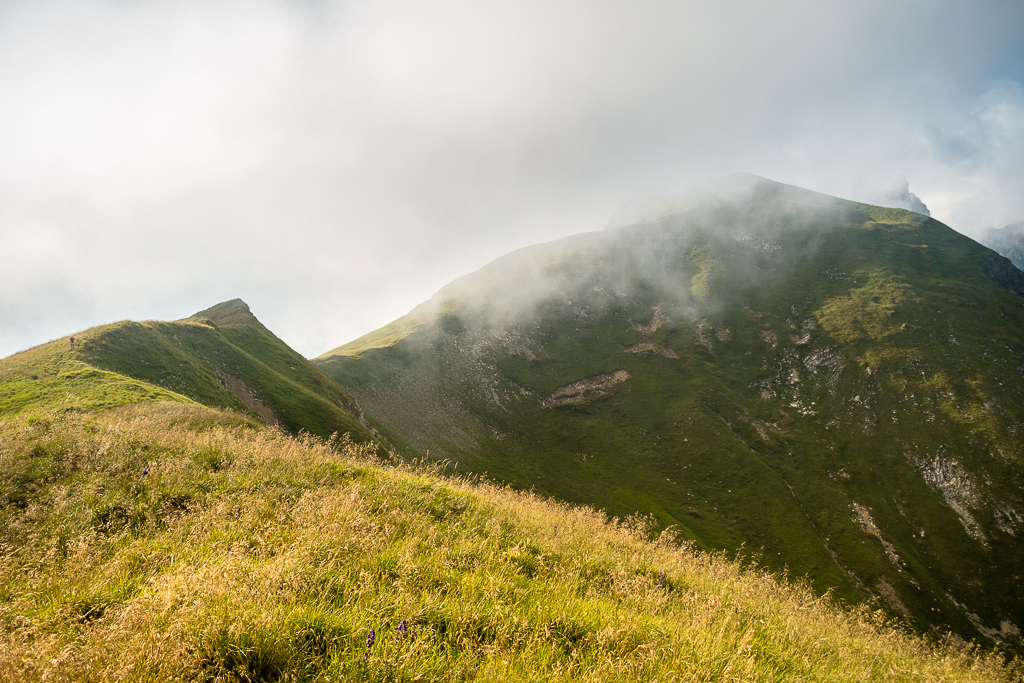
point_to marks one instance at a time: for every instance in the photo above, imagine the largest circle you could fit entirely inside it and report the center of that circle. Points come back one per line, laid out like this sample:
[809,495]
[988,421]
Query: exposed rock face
[900,197]
[863,517]
[948,477]
[651,347]
[584,389]
[238,388]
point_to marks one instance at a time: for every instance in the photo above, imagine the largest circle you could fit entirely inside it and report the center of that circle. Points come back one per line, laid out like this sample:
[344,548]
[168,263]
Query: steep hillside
[220,357]
[834,386]
[163,542]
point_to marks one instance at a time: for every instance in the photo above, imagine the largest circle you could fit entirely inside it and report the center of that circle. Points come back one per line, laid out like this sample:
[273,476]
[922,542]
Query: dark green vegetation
[835,388]
[170,542]
[221,357]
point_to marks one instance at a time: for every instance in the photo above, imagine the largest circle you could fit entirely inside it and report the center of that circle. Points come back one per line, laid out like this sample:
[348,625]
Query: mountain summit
[832,387]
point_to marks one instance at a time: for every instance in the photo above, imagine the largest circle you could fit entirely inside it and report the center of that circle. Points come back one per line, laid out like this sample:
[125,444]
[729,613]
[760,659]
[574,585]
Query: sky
[334,163]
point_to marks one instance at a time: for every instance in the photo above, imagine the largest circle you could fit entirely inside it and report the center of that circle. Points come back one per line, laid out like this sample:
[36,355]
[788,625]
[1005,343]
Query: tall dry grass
[243,554]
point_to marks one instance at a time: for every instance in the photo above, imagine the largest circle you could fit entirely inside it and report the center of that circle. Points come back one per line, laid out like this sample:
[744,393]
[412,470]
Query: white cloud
[335,163]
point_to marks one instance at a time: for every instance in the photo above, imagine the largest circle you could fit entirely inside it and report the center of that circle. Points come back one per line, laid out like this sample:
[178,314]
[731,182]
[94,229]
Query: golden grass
[248,555]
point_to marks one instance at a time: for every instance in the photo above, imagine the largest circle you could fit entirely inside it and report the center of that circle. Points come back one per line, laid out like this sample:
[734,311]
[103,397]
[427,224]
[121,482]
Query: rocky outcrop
[585,389]
[245,395]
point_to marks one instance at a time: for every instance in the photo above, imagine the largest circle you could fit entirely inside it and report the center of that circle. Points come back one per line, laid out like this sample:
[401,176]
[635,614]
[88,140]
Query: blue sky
[335,163]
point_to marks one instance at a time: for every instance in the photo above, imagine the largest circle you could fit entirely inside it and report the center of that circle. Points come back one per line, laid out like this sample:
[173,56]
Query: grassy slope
[53,375]
[200,358]
[244,554]
[892,472]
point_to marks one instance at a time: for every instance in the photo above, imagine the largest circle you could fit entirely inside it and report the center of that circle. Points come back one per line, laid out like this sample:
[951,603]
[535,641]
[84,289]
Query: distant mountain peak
[234,310]
[900,197]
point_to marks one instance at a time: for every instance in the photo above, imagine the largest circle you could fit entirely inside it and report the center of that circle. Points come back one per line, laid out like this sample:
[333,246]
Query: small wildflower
[556,531]
[146,471]
[403,628]
[661,580]
[370,638]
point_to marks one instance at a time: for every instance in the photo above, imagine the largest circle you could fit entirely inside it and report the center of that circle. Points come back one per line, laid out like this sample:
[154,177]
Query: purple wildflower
[371,637]
[661,579]
[403,628]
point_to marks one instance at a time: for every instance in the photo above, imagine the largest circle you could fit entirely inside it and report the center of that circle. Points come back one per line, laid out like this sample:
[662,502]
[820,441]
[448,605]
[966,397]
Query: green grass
[386,336]
[221,357]
[869,312]
[832,356]
[248,555]
[53,375]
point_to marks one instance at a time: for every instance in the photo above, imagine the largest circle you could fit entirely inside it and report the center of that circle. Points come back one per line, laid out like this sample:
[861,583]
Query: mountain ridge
[220,357]
[830,382]
[827,388]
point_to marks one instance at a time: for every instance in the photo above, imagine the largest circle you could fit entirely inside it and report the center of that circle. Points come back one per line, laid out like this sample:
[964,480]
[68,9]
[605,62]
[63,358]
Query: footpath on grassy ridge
[222,357]
[53,375]
[168,541]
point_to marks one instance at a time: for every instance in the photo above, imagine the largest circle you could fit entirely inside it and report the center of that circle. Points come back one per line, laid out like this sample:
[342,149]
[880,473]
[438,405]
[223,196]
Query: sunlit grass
[244,554]
[53,375]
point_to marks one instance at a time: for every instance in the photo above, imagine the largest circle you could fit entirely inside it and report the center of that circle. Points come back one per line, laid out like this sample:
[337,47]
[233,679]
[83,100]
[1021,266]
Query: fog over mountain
[900,197]
[1008,241]
[336,163]
[833,385]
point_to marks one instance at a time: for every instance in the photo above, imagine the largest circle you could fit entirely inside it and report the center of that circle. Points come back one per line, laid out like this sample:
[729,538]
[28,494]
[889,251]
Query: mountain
[833,388]
[221,357]
[1008,241]
[900,197]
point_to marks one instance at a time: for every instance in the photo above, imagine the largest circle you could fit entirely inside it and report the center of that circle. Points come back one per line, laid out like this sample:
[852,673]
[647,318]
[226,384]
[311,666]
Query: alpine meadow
[747,432]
